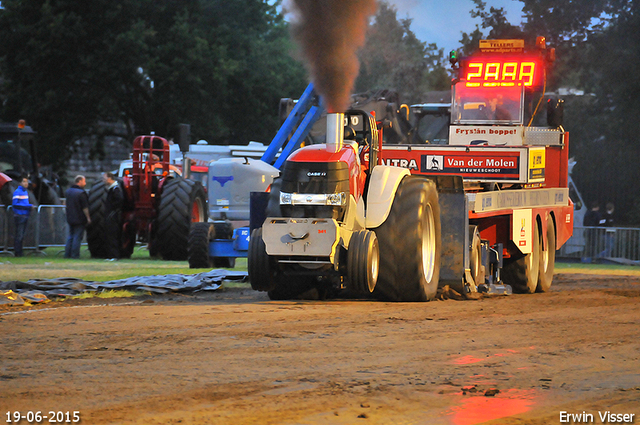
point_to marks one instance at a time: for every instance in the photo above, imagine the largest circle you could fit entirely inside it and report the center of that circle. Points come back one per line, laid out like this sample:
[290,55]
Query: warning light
[21,124]
[502,72]
[453,57]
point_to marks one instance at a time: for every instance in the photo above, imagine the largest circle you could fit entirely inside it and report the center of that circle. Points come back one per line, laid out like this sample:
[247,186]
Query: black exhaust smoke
[329,33]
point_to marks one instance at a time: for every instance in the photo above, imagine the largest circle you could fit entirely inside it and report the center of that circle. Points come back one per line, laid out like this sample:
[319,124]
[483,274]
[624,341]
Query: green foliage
[393,58]
[219,65]
[597,45]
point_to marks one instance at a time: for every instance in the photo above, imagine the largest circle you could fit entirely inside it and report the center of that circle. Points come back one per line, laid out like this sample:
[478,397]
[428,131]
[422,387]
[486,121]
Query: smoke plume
[329,33]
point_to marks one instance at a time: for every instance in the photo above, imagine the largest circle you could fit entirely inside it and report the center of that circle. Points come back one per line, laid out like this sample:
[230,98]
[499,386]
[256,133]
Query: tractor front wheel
[261,271]
[363,262]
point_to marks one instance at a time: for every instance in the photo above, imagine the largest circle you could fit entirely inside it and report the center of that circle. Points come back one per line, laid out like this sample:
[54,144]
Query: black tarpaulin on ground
[38,290]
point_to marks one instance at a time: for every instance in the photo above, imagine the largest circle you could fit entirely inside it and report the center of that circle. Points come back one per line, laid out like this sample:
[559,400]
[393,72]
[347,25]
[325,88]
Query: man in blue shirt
[78,217]
[21,210]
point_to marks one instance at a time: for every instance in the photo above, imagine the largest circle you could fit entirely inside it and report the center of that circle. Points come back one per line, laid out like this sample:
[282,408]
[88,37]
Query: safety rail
[602,243]
[47,227]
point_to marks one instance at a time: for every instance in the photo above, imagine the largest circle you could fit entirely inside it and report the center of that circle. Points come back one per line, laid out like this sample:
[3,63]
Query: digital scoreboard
[501,71]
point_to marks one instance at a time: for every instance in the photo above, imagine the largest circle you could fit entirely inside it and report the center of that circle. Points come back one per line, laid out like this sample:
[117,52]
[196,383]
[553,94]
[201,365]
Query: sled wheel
[547,259]
[522,273]
[475,256]
[409,243]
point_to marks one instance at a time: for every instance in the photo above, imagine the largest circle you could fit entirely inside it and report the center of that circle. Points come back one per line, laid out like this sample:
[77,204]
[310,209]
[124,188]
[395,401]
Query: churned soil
[234,357]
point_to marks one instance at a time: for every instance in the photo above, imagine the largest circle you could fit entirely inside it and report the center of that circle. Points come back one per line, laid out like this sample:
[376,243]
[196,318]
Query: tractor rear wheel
[522,273]
[183,202]
[6,193]
[198,249]
[363,262]
[547,259]
[96,230]
[409,243]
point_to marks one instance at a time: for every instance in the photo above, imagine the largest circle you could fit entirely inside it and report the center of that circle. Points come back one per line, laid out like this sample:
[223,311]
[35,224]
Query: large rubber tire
[363,262]
[547,259]
[95,231]
[198,247]
[475,256]
[48,195]
[522,272]
[182,202]
[6,193]
[259,264]
[409,243]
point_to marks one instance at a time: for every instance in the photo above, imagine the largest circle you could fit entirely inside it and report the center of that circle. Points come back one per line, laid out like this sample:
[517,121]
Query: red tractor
[159,205]
[338,220]
[484,211]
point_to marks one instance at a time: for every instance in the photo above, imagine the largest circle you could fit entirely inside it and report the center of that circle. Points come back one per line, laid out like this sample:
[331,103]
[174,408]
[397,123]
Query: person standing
[113,214]
[608,220]
[77,216]
[21,210]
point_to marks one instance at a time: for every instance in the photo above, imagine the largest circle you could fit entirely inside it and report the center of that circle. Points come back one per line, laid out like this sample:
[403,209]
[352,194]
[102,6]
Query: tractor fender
[383,185]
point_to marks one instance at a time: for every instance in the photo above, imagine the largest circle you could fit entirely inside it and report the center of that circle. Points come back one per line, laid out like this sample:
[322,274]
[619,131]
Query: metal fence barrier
[47,227]
[592,243]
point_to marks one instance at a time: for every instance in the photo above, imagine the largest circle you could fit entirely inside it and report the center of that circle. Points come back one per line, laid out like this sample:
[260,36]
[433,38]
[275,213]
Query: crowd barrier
[591,243]
[47,227]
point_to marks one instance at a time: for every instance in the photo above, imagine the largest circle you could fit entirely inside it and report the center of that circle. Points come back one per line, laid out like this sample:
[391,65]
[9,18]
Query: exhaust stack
[335,132]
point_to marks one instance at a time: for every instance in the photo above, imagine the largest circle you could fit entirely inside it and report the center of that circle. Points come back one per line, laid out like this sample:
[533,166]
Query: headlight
[335,199]
[332,199]
[285,198]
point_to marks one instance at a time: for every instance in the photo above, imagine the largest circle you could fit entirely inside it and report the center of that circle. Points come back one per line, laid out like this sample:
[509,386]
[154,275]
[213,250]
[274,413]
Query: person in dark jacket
[112,214]
[21,210]
[78,217]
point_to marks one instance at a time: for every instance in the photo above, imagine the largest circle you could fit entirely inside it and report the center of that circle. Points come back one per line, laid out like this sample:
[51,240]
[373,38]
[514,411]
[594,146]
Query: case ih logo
[316,174]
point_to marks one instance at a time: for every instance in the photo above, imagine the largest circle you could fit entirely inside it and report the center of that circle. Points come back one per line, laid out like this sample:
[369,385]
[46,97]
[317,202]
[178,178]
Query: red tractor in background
[159,206]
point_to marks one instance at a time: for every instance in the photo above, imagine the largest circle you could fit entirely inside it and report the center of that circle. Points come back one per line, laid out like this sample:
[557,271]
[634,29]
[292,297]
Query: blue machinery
[299,122]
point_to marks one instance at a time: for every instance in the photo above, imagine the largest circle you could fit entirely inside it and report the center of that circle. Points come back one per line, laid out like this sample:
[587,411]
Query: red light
[505,72]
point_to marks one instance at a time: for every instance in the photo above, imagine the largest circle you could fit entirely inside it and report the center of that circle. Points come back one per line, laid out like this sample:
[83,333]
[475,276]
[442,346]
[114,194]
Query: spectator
[113,214]
[608,220]
[591,219]
[77,216]
[21,210]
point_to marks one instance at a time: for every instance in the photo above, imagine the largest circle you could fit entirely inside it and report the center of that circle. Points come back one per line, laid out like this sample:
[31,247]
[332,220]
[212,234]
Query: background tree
[393,58]
[597,45]
[149,64]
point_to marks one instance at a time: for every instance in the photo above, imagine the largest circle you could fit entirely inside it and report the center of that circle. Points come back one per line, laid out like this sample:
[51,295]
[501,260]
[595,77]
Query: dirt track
[235,358]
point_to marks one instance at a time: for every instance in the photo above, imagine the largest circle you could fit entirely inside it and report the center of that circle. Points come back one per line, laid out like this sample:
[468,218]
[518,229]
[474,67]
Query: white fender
[383,186]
